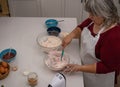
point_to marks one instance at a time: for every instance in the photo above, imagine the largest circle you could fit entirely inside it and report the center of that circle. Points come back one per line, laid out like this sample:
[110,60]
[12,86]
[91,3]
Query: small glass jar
[32,78]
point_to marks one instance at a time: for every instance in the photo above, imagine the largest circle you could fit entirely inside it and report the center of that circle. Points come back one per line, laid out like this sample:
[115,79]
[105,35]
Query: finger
[70,68]
[64,71]
[71,71]
[67,69]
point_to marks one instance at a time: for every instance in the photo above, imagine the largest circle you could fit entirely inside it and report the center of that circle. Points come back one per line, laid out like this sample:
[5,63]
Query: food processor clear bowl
[54,61]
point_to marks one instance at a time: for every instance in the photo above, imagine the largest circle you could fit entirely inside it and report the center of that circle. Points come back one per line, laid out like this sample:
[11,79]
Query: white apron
[87,55]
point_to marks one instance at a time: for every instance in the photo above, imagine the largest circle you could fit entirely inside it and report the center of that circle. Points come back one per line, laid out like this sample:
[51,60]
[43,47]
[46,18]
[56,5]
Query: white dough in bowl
[49,43]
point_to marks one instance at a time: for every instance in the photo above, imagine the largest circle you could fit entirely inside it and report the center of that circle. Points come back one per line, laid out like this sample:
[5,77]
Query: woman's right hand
[66,40]
[74,34]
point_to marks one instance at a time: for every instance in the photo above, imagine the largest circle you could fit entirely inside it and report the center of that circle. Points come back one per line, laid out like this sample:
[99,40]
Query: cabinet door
[75,9]
[52,8]
[24,8]
[117,3]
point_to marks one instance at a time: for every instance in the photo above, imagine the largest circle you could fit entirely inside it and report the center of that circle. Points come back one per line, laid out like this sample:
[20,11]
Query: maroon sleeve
[110,52]
[85,23]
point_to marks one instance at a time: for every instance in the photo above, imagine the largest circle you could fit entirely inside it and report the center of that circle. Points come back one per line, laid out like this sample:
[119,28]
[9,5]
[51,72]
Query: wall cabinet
[24,8]
[50,8]
[46,8]
[74,9]
[117,3]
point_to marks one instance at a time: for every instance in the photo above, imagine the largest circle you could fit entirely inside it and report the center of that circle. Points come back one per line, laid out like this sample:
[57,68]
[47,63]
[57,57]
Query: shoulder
[110,37]
[112,33]
[85,23]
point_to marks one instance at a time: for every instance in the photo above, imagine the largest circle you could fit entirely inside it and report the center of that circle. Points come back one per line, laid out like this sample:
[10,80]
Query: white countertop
[20,33]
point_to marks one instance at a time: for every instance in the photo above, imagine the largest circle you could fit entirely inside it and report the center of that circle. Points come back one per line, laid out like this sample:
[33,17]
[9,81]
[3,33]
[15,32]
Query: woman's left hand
[71,68]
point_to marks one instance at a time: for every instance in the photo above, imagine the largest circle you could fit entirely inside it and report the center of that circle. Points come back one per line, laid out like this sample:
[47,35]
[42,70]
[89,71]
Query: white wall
[49,8]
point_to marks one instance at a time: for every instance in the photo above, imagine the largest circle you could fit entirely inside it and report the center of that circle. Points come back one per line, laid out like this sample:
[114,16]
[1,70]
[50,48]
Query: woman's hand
[74,34]
[66,41]
[91,68]
[71,68]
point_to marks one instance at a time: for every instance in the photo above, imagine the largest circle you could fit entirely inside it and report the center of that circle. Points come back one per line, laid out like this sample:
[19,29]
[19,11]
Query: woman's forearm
[91,68]
[75,33]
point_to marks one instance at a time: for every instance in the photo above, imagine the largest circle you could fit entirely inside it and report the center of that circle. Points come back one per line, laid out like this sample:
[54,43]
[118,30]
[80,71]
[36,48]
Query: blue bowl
[51,23]
[7,54]
[54,31]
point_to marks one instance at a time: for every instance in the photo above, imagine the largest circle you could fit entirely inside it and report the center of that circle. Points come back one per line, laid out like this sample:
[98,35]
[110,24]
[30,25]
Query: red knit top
[107,48]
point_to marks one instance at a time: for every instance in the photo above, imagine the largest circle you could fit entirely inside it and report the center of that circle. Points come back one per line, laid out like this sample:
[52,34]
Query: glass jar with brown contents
[32,79]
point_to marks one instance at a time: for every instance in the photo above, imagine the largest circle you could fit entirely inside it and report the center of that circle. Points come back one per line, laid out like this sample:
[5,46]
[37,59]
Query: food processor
[58,81]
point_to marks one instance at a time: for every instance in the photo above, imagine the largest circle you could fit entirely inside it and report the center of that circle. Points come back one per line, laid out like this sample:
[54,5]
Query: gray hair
[103,8]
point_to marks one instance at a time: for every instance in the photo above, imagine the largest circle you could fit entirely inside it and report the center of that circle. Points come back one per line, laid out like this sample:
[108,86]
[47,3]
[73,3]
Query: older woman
[100,44]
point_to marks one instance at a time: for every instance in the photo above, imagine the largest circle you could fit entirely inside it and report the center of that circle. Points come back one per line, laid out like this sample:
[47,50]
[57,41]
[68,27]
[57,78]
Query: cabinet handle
[81,1]
[119,1]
